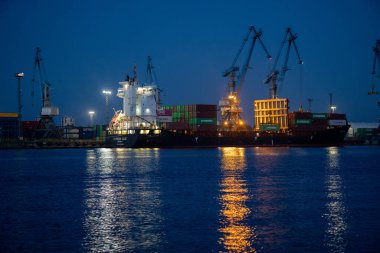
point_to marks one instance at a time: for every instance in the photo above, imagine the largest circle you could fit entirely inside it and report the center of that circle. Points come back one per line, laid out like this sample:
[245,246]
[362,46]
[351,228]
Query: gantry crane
[230,109]
[375,72]
[47,128]
[275,76]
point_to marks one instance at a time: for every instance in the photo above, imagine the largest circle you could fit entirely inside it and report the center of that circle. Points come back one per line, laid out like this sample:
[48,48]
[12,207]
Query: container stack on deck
[96,132]
[195,117]
[8,126]
[306,121]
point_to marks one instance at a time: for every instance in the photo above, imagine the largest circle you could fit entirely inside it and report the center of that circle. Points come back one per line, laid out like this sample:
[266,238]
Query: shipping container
[177,126]
[164,112]
[319,115]
[302,121]
[203,107]
[86,133]
[71,130]
[202,121]
[269,127]
[365,131]
[164,118]
[337,122]
[205,114]
[9,128]
[71,136]
[8,115]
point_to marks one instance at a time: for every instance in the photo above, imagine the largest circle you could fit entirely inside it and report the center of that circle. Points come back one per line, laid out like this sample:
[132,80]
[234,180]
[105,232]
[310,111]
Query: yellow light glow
[241,122]
[225,123]
[237,234]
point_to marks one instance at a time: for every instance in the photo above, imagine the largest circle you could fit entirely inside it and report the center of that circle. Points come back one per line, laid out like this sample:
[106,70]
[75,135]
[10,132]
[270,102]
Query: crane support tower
[375,72]
[275,76]
[47,128]
[230,110]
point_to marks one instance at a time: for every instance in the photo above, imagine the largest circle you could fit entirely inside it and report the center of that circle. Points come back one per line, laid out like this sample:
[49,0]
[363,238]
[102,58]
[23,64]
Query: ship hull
[168,139]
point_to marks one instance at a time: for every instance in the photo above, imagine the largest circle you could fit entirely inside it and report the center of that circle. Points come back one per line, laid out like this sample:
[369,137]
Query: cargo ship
[144,123]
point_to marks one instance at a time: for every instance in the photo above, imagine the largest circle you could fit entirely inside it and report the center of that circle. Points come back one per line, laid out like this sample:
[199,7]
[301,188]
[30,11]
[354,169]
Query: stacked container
[71,133]
[29,128]
[315,121]
[195,117]
[100,132]
[86,133]
[8,125]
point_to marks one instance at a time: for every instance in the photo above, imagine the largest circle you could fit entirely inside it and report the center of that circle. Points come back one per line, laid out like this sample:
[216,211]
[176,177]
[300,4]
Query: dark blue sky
[88,46]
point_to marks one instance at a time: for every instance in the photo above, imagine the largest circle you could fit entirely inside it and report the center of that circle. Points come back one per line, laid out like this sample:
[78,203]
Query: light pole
[19,76]
[107,93]
[91,113]
[332,107]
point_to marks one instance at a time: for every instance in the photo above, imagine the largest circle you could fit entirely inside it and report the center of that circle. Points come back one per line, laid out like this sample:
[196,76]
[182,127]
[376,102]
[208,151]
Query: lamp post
[107,93]
[91,113]
[19,76]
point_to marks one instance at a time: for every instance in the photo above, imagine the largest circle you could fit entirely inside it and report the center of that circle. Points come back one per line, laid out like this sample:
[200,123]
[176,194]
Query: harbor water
[190,200]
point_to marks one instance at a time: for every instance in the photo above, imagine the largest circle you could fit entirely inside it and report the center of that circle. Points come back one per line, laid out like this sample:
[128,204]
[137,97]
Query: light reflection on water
[336,229]
[122,201]
[237,235]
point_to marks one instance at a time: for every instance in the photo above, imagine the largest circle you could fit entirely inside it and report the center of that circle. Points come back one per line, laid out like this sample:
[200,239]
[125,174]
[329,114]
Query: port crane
[230,109]
[375,72]
[151,78]
[275,76]
[47,128]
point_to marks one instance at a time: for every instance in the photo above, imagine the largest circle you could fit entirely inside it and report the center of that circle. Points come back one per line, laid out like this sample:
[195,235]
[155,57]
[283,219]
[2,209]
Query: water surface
[191,200]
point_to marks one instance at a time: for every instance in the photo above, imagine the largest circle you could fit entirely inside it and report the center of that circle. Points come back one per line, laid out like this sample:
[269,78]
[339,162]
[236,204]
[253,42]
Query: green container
[365,131]
[202,121]
[303,121]
[319,116]
[269,127]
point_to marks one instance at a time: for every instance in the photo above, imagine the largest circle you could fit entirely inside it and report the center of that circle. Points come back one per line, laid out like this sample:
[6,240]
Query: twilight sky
[89,45]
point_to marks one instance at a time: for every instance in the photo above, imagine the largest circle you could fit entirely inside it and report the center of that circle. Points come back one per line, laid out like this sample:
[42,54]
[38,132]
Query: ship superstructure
[140,106]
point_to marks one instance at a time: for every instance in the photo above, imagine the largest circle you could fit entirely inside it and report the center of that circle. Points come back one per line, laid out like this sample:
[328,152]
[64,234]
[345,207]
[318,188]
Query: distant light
[241,122]
[107,92]
[147,110]
[91,112]
[333,108]
[21,74]
[225,123]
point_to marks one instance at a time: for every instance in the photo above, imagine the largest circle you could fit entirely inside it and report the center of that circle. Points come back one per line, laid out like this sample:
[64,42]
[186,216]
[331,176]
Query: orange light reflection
[237,235]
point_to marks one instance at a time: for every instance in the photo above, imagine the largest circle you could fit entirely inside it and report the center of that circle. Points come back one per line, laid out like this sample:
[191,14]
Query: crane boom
[376,61]
[230,109]
[256,37]
[275,76]
[233,65]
